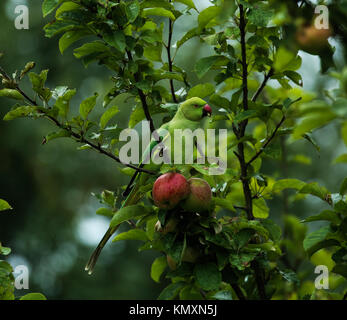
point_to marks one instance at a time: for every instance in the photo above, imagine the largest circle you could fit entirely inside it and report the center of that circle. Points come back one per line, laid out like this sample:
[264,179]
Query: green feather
[188,116]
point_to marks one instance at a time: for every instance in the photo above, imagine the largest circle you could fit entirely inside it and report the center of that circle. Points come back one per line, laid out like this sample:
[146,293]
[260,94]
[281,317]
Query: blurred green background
[53,227]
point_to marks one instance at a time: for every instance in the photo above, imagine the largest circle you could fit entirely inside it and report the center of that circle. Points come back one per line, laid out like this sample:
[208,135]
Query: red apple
[170,189]
[199,199]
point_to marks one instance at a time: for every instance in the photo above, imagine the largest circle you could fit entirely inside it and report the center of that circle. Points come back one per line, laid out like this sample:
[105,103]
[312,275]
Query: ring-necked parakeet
[188,116]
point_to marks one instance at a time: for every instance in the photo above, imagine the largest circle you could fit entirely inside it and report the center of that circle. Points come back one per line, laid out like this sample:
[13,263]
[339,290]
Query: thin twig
[33,102]
[259,278]
[244,57]
[4,74]
[261,150]
[142,98]
[240,208]
[168,48]
[240,131]
[263,84]
[97,147]
[75,135]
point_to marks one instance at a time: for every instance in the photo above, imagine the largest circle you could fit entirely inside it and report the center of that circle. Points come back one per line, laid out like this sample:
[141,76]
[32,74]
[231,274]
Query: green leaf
[132,10]
[275,230]
[4,251]
[153,52]
[344,132]
[280,185]
[49,5]
[208,276]
[220,101]
[205,64]
[313,121]
[11,93]
[89,48]
[188,3]
[315,189]
[256,40]
[168,75]
[59,91]
[290,276]
[190,34]
[158,267]
[6,267]
[70,37]
[190,292]
[23,111]
[246,115]
[242,237]
[260,16]
[207,15]
[150,224]
[224,203]
[242,260]
[341,159]
[29,66]
[108,197]
[87,106]
[117,40]
[58,26]
[144,85]
[55,135]
[156,4]
[314,238]
[33,296]
[235,98]
[223,295]
[127,213]
[286,60]
[63,102]
[326,215]
[105,212]
[260,208]
[67,6]
[171,291]
[38,82]
[294,76]
[159,12]
[108,115]
[132,234]
[176,250]
[136,116]
[201,90]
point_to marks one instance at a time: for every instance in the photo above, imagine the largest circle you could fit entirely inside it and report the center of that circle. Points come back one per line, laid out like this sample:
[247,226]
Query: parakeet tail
[133,197]
[94,257]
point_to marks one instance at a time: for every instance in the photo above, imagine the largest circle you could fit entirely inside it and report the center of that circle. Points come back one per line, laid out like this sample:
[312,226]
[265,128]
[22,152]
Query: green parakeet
[188,116]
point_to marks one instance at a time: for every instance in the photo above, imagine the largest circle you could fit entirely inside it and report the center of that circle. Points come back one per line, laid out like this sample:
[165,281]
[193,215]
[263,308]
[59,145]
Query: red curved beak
[207,110]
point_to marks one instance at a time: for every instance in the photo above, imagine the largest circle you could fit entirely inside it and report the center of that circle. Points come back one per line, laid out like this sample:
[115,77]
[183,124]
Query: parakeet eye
[196,105]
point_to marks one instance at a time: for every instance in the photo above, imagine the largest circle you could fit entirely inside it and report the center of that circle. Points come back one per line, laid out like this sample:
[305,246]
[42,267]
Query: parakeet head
[195,109]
